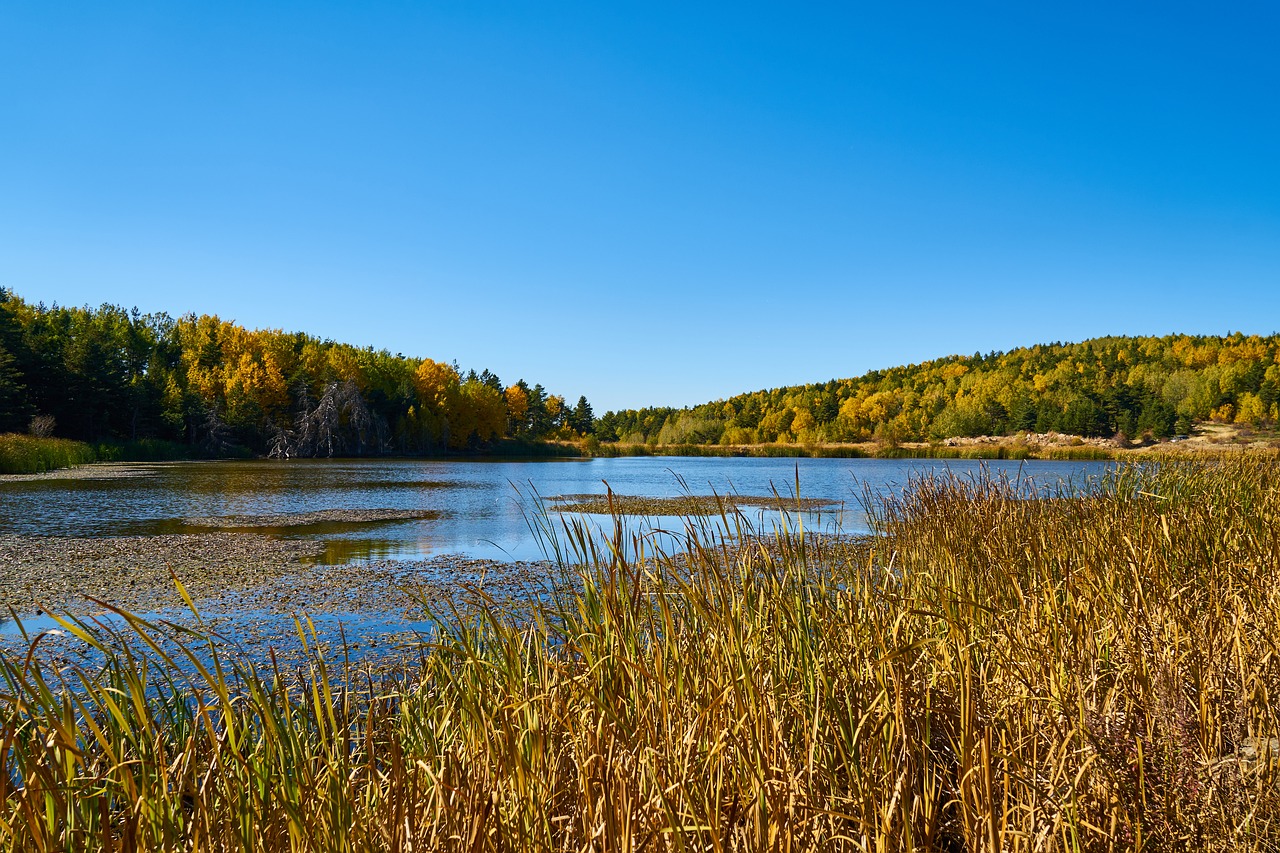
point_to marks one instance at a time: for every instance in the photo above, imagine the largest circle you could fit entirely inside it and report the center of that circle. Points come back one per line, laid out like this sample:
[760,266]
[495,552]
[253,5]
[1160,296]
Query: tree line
[111,374]
[1131,386]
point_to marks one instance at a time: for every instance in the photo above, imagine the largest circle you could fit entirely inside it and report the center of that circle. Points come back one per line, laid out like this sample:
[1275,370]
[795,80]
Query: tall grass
[998,670]
[25,454]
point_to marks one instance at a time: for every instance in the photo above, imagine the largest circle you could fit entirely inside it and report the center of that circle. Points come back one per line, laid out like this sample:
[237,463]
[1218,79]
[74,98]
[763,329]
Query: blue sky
[650,203]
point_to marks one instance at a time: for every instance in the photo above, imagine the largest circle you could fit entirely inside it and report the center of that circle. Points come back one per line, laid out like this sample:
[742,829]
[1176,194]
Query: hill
[1133,386]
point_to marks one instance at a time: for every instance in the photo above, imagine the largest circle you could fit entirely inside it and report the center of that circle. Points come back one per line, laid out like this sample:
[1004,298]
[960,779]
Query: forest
[1131,386]
[115,375]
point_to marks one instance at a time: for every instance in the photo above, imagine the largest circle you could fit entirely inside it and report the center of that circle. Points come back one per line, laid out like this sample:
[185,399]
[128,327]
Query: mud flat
[250,591]
[230,571]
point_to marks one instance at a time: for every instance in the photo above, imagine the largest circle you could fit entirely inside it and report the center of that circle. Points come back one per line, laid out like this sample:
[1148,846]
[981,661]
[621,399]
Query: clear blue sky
[650,203]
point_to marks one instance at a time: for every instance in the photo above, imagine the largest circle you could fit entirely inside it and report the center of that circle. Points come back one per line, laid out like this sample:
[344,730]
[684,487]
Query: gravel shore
[249,589]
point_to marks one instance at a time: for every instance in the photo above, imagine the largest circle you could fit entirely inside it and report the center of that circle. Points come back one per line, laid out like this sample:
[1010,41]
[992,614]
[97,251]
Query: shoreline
[1205,439]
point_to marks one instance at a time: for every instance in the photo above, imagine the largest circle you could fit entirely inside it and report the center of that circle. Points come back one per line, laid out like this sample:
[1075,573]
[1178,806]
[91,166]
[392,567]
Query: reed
[26,454]
[999,669]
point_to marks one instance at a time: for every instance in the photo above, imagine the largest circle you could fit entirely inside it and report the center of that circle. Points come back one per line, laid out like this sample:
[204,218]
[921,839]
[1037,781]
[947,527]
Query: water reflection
[341,551]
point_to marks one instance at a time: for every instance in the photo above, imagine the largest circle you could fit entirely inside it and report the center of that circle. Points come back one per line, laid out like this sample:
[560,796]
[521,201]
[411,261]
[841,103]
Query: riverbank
[1094,674]
[1208,438]
[987,447]
[24,455]
[28,455]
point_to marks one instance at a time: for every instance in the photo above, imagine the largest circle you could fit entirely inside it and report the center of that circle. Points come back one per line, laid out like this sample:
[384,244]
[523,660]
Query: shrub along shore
[991,672]
[25,454]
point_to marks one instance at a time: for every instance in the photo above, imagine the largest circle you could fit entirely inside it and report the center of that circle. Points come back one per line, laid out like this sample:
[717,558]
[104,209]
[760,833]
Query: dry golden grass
[995,673]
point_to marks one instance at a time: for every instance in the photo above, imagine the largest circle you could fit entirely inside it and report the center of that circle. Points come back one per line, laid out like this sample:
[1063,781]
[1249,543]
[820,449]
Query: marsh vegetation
[997,670]
[26,454]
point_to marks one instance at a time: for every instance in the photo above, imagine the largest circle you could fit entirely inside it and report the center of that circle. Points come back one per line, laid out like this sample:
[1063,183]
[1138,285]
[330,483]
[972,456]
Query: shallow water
[481,509]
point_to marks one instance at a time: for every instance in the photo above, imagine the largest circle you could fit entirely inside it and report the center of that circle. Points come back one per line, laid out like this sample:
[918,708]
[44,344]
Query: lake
[476,508]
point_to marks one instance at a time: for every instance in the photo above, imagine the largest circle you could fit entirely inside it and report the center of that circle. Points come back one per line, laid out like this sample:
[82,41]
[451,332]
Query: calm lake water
[479,508]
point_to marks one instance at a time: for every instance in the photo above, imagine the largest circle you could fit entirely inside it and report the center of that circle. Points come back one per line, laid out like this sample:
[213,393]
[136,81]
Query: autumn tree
[481,415]
[1095,387]
[517,400]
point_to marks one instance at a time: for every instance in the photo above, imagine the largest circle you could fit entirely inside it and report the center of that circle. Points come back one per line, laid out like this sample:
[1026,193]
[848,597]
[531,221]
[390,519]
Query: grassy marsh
[26,454]
[993,673]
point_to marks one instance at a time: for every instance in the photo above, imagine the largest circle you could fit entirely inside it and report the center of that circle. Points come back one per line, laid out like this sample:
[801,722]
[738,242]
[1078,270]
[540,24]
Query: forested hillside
[1100,387]
[109,374]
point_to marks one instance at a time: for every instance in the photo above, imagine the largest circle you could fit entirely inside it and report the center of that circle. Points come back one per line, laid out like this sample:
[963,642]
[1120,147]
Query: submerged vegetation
[998,670]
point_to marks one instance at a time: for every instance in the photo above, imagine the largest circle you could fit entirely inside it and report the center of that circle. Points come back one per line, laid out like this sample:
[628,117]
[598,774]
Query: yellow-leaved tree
[517,400]
[438,390]
[481,415]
